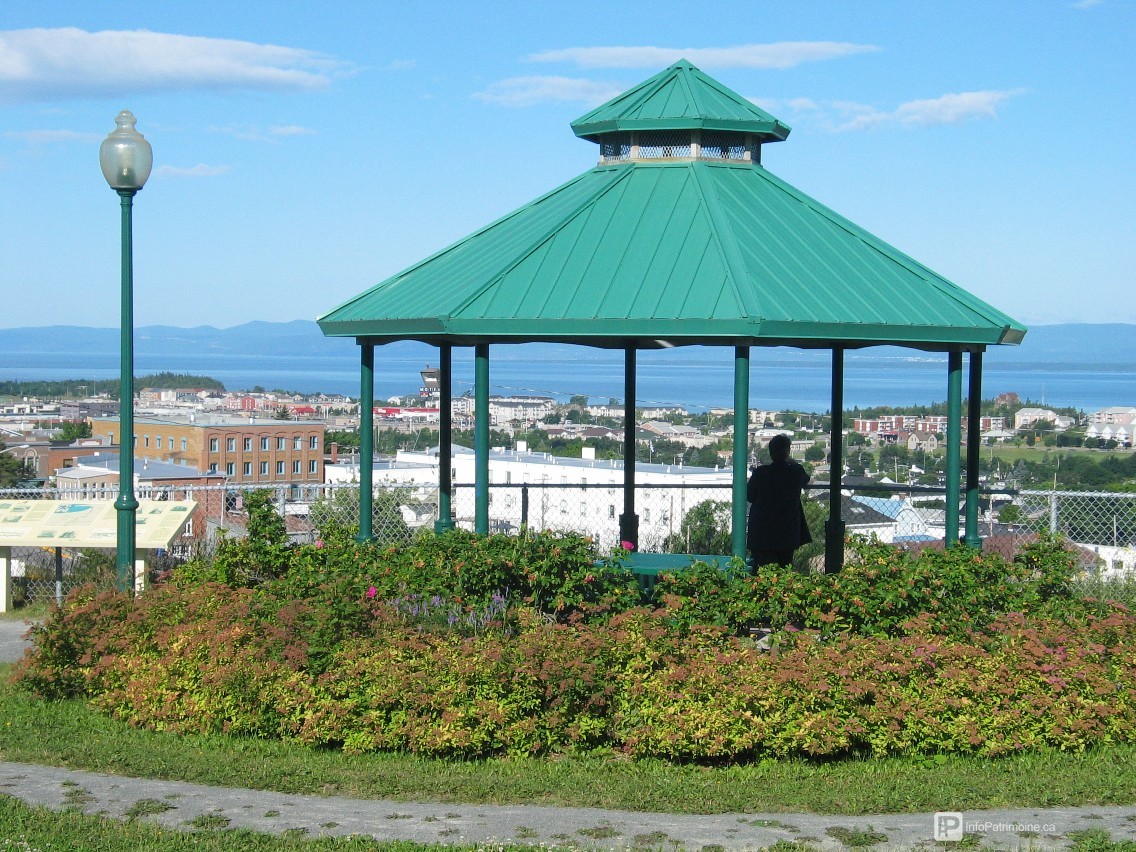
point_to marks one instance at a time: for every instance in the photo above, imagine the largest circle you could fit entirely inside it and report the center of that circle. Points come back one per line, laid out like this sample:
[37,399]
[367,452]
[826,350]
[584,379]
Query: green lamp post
[126,159]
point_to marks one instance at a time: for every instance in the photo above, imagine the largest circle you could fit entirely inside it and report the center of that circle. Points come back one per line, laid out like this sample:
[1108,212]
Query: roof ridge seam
[723,235]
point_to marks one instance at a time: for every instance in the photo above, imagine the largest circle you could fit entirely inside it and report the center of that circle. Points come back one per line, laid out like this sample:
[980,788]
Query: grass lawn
[33,829]
[69,734]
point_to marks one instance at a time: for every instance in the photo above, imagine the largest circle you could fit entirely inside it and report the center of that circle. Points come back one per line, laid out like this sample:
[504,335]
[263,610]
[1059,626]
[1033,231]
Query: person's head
[779,448]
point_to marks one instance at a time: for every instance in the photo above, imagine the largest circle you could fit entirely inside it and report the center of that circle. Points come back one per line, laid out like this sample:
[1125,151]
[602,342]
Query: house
[1024,418]
[906,522]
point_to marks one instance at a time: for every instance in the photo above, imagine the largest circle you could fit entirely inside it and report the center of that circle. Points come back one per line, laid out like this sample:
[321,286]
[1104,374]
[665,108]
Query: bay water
[698,378]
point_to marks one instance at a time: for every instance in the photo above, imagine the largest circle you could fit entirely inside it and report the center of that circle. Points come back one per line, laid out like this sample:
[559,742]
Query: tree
[578,401]
[13,471]
[815,453]
[705,529]
[1010,514]
[282,413]
[71,431]
[859,462]
[815,516]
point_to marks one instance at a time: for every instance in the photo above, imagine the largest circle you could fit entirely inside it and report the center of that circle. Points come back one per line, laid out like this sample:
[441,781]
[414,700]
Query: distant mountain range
[1068,343]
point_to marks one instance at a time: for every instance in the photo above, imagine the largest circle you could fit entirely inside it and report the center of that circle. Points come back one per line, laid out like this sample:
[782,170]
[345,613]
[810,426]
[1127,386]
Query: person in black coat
[777,524]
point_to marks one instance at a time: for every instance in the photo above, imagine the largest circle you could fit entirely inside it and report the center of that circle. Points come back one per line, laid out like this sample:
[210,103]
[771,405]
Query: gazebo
[678,236]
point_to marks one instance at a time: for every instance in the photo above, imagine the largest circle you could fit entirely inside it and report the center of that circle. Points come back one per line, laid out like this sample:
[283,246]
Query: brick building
[243,450]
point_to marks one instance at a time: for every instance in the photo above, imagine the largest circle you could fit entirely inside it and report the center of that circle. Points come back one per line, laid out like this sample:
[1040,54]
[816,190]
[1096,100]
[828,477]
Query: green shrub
[261,555]
[530,646]
[880,589]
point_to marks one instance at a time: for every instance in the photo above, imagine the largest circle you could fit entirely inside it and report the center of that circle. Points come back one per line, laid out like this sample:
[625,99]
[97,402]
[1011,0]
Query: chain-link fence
[681,518]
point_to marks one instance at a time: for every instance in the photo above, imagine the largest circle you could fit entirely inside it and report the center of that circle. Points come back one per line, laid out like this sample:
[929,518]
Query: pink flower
[371,592]
[319,545]
[627,545]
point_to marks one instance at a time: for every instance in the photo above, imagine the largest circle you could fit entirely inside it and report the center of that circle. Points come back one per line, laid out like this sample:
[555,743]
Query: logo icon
[948,826]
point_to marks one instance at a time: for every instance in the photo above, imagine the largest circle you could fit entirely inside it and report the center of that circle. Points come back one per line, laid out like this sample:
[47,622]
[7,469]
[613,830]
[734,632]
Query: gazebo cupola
[679,114]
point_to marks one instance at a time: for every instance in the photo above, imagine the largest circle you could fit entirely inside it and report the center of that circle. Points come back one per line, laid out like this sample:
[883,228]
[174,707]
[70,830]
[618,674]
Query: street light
[126,158]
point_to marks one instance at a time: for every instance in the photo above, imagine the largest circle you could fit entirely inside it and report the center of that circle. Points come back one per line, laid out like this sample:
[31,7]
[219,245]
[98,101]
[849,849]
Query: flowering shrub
[466,646]
[880,590]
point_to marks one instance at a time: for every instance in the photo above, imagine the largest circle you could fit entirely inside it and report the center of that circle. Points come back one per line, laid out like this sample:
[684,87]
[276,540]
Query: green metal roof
[671,252]
[675,252]
[680,98]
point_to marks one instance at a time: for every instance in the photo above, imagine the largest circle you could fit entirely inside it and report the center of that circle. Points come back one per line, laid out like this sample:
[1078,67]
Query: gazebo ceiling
[687,242]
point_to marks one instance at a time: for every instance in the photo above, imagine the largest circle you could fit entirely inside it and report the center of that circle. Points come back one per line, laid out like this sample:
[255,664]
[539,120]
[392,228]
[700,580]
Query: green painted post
[481,439]
[973,450]
[954,435]
[366,439]
[629,521]
[445,440]
[741,450]
[834,526]
[126,505]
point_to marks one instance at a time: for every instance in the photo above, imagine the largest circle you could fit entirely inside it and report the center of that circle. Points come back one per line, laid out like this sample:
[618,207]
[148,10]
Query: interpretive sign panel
[58,523]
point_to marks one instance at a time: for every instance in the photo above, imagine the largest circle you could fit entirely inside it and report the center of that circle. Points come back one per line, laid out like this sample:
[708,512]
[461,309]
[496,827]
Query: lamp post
[126,158]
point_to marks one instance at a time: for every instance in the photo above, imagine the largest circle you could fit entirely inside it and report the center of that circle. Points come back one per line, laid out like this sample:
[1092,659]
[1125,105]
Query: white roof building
[556,493]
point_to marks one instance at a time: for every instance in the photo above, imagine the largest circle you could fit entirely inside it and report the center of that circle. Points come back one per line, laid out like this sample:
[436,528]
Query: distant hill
[1068,343]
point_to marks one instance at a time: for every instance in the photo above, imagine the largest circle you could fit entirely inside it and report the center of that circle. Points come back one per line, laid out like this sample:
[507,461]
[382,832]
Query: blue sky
[305,151]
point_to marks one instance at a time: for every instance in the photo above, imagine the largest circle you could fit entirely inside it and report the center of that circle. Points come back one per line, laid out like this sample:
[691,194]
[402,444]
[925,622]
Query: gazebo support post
[741,449]
[629,521]
[954,436]
[834,526]
[366,439]
[973,450]
[445,440]
[481,438]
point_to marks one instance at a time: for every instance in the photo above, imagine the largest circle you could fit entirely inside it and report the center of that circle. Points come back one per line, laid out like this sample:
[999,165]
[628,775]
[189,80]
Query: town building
[244,450]
[555,493]
[893,424]
[504,410]
[1114,415]
[1025,418]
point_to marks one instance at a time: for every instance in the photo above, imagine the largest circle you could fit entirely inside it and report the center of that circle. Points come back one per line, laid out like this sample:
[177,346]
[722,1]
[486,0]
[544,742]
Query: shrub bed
[467,646]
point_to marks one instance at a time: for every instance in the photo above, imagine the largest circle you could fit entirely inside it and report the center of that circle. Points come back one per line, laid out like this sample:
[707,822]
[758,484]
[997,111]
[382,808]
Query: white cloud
[955,107]
[950,108]
[44,137]
[251,133]
[1086,4]
[50,64]
[785,54]
[529,91]
[772,105]
[200,170]
[290,130]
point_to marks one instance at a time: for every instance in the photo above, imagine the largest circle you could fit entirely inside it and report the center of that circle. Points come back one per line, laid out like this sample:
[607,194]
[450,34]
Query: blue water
[695,377]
